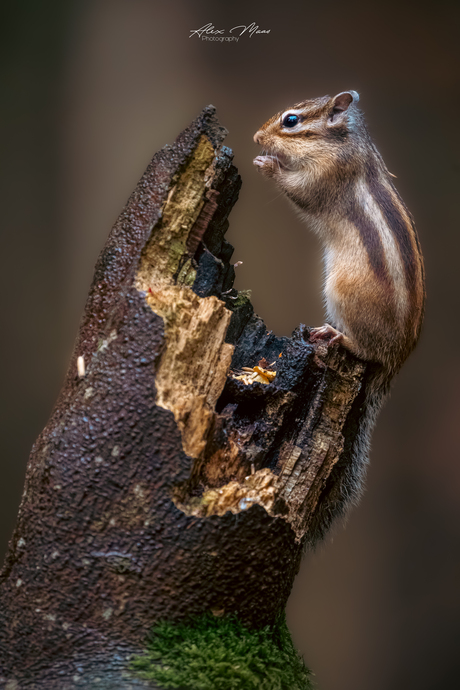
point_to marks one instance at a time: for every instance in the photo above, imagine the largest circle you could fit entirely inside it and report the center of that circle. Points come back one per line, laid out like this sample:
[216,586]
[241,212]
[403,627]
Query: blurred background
[90,90]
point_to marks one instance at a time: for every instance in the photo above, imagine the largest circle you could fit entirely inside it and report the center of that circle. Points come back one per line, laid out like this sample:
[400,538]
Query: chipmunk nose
[256,137]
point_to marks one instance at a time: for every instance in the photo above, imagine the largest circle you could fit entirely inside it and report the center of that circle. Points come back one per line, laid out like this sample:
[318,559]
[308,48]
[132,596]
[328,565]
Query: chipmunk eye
[290,121]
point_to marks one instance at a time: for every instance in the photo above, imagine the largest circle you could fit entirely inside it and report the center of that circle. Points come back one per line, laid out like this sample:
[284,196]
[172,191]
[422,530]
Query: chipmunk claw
[326,332]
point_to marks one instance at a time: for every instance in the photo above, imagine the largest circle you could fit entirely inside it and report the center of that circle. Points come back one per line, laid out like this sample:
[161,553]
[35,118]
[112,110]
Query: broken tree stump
[165,485]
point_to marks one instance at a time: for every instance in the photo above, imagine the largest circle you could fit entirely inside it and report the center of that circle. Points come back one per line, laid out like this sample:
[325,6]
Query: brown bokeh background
[90,90]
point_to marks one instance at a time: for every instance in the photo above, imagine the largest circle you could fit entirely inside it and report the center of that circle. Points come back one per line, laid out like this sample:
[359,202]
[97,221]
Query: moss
[244,297]
[212,653]
[187,274]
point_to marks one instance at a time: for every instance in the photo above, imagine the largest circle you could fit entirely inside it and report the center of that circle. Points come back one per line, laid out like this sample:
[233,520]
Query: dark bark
[162,487]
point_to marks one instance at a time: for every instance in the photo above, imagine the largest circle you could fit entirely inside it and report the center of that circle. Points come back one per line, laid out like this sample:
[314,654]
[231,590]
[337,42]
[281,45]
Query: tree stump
[169,480]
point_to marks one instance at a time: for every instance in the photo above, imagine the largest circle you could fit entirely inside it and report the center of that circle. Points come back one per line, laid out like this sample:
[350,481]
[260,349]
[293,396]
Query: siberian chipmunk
[321,156]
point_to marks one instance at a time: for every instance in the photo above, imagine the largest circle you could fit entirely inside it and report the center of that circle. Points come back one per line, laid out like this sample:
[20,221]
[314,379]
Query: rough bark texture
[162,486]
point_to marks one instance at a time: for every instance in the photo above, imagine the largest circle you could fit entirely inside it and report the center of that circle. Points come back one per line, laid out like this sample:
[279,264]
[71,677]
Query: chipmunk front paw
[266,164]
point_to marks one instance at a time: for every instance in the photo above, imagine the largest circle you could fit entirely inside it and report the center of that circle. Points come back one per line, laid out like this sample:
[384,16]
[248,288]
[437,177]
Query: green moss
[244,296]
[211,653]
[187,274]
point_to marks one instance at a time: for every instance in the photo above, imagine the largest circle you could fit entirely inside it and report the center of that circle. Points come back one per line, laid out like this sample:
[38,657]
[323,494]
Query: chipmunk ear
[340,105]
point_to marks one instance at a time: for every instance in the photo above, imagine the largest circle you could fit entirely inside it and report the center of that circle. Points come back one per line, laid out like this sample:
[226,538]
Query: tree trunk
[166,484]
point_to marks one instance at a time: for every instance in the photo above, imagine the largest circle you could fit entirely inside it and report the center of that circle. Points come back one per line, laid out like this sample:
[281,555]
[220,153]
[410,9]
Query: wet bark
[164,484]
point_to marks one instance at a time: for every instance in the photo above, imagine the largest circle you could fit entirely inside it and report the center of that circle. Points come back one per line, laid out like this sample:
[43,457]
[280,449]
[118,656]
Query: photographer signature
[209,29]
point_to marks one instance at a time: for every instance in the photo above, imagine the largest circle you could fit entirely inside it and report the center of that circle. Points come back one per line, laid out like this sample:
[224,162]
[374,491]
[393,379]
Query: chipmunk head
[312,136]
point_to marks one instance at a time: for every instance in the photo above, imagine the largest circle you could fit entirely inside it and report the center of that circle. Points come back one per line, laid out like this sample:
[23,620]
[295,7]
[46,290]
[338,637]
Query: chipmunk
[321,156]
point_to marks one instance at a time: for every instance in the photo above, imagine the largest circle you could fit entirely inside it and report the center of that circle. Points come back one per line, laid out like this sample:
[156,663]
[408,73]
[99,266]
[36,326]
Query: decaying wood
[163,484]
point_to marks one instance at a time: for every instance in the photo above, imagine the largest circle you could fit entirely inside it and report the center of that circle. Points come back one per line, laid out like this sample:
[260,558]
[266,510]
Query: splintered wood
[257,374]
[166,259]
[259,488]
[194,365]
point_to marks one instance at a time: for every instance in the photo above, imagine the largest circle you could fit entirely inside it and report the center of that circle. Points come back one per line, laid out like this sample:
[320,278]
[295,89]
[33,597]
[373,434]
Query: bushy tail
[345,484]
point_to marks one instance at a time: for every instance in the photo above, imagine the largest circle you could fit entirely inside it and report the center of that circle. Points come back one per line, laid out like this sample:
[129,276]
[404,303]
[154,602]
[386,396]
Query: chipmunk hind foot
[332,335]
